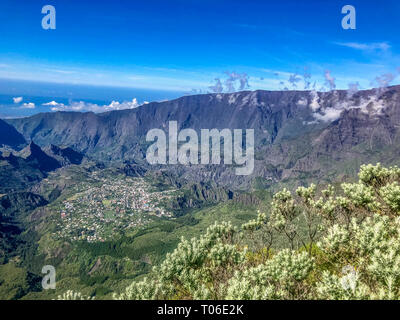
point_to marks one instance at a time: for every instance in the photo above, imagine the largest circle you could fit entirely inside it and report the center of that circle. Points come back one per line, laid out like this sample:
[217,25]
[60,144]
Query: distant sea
[42,92]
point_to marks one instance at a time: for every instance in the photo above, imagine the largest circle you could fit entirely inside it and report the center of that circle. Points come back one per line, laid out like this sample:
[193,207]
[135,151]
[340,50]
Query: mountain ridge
[294,130]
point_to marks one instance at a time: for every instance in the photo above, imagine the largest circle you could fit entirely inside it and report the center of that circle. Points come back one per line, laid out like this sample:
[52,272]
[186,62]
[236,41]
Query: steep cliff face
[19,202]
[20,170]
[65,155]
[37,158]
[10,137]
[298,134]
[119,134]
[17,174]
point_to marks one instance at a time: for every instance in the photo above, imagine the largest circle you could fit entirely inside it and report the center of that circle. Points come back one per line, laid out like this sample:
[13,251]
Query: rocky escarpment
[10,137]
[298,134]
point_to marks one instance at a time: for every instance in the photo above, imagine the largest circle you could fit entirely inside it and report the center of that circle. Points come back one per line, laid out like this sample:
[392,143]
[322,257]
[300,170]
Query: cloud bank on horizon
[82,106]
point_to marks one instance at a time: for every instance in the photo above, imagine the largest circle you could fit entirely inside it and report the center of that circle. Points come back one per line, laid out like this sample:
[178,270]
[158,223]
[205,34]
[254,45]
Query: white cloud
[51,103]
[328,114]
[314,105]
[329,80]
[384,80]
[302,102]
[353,87]
[86,106]
[17,99]
[61,71]
[382,46]
[29,105]
[372,105]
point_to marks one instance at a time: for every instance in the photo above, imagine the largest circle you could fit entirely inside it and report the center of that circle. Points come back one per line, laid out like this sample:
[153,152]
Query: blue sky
[178,46]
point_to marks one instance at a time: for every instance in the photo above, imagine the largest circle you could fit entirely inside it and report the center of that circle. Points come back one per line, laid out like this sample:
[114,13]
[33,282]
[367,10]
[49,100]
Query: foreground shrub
[350,249]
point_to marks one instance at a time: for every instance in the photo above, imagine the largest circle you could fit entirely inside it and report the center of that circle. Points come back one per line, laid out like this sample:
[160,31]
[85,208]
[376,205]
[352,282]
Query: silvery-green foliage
[336,237]
[329,191]
[288,266]
[355,255]
[284,216]
[374,245]
[307,193]
[375,175]
[147,289]
[344,287]
[278,278]
[191,254]
[241,288]
[373,234]
[257,223]
[73,295]
[283,209]
[385,268]
[191,267]
[391,195]
[360,195]
[327,208]
[202,293]
[363,237]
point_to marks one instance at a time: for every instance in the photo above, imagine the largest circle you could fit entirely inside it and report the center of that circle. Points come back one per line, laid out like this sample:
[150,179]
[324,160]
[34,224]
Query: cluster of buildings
[111,205]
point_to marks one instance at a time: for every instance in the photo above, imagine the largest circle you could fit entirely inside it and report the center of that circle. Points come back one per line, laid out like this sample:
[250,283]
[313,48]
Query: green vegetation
[101,266]
[350,249]
[15,282]
[337,241]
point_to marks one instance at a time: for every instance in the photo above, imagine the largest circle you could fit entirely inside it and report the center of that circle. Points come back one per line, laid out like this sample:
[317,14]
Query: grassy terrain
[102,268]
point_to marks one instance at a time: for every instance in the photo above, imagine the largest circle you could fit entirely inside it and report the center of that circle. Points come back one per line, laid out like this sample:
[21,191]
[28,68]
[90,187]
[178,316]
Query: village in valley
[112,206]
